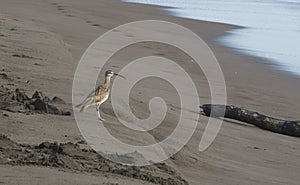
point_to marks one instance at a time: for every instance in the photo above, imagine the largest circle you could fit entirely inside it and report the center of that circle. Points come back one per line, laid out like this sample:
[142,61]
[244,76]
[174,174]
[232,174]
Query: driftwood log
[291,128]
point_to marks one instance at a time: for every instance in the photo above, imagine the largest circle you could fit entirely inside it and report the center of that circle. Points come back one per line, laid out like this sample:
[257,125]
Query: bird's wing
[98,90]
[90,95]
[101,92]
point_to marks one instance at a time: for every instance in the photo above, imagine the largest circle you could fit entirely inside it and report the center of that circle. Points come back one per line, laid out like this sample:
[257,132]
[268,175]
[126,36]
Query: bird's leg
[98,111]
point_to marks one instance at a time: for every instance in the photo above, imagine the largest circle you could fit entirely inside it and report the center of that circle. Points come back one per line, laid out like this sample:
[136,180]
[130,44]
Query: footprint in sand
[96,25]
[62,9]
[93,24]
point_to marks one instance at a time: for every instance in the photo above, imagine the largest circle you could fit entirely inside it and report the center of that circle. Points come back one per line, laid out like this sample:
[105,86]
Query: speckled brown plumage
[100,95]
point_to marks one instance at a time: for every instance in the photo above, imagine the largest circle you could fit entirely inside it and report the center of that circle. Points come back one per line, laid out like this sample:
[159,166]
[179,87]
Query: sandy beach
[41,43]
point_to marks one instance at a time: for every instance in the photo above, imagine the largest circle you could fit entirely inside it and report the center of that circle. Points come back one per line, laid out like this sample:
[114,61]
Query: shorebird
[99,95]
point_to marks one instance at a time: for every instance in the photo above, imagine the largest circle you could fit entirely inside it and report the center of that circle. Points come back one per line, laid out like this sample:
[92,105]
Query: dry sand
[41,43]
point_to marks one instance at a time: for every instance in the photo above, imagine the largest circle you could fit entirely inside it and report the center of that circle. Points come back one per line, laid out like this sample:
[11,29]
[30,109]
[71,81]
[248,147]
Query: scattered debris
[81,142]
[58,100]
[5,115]
[3,76]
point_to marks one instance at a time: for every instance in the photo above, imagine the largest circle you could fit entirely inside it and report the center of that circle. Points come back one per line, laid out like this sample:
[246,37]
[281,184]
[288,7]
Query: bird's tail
[86,103]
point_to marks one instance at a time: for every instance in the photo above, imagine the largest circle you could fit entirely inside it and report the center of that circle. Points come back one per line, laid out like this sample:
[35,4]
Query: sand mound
[18,101]
[71,156]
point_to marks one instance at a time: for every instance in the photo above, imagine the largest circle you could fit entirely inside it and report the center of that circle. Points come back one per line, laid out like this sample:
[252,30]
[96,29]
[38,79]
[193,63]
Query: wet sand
[42,42]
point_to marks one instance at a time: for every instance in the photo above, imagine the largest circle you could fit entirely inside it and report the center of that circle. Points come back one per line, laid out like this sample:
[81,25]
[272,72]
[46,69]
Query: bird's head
[110,74]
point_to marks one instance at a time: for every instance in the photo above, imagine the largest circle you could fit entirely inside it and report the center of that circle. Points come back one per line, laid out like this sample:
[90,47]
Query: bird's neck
[107,80]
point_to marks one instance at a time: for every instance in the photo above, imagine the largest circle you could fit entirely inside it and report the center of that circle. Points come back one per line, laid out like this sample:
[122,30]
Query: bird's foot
[102,119]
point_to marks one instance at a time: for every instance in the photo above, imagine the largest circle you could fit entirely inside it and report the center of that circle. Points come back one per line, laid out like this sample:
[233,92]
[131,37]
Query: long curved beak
[116,74]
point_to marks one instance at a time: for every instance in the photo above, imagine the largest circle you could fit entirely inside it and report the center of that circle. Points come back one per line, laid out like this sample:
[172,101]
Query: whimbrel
[100,95]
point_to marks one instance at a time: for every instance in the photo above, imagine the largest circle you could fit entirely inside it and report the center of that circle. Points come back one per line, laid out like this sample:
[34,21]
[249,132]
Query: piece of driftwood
[291,128]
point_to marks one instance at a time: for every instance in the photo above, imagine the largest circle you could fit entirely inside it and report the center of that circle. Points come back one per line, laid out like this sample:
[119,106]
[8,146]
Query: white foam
[272,26]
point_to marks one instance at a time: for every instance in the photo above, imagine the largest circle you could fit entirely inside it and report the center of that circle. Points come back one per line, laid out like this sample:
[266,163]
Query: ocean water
[271,28]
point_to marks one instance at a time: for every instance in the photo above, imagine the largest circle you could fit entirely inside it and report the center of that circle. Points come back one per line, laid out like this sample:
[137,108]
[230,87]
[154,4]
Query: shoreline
[241,154]
[272,63]
[239,36]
